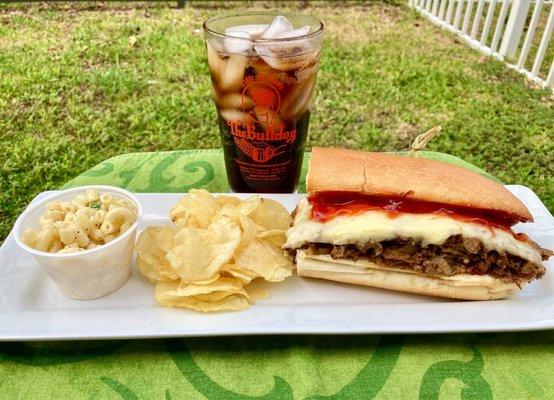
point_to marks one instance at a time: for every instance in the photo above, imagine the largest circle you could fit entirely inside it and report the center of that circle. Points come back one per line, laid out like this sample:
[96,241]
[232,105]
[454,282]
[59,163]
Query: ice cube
[287,56]
[215,62]
[231,74]
[227,70]
[297,101]
[254,31]
[295,33]
[216,44]
[267,118]
[236,101]
[279,26]
[290,54]
[235,116]
[238,43]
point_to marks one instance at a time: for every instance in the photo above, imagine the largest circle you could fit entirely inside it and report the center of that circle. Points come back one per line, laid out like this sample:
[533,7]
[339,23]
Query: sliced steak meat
[458,255]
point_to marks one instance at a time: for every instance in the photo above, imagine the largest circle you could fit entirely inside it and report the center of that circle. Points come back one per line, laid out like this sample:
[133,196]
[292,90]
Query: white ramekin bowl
[89,274]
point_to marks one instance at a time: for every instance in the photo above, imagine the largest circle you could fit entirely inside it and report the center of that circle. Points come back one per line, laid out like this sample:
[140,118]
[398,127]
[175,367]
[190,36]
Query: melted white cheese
[378,226]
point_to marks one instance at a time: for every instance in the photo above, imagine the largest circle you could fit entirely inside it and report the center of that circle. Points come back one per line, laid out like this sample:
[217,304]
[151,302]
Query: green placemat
[453,366]
[180,171]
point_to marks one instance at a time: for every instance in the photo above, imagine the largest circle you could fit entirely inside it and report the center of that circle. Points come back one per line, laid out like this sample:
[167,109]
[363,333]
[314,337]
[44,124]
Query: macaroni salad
[89,220]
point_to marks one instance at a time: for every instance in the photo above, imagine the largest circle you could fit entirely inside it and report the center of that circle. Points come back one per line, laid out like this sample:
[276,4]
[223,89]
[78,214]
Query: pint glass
[263,68]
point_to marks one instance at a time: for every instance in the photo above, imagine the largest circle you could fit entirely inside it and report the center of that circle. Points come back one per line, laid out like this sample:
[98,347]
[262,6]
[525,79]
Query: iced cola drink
[263,68]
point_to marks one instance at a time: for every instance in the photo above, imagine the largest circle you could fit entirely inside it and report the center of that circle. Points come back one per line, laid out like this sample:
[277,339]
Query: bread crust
[488,288]
[416,178]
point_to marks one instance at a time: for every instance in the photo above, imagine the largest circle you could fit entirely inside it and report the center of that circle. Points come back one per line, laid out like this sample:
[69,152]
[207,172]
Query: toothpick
[421,141]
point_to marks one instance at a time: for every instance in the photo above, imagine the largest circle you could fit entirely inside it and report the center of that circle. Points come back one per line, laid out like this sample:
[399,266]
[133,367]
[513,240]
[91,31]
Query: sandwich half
[413,225]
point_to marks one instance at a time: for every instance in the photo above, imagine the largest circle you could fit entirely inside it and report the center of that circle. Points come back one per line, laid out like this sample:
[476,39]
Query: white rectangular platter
[31,308]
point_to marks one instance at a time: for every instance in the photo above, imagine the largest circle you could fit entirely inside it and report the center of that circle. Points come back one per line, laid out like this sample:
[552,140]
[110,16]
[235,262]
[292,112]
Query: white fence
[497,28]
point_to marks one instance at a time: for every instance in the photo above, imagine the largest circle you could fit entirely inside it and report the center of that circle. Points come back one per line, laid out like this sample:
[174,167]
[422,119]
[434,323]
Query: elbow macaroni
[88,221]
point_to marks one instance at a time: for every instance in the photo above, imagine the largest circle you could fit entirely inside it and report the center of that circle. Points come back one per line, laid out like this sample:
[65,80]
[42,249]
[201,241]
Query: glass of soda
[263,68]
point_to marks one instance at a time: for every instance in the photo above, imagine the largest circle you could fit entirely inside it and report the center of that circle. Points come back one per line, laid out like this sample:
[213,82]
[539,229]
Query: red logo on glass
[261,102]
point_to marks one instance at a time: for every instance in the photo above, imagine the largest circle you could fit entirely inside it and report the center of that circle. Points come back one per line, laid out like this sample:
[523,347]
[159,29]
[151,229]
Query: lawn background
[81,82]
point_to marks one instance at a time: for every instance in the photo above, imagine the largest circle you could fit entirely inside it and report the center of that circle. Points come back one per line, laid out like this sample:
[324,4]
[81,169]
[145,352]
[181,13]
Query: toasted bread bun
[464,287]
[415,178]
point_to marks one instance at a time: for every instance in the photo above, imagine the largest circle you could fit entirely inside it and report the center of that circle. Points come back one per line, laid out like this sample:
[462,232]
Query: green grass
[74,91]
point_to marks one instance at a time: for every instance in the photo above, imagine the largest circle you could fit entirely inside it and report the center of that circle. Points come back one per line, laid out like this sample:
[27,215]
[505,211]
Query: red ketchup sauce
[328,205]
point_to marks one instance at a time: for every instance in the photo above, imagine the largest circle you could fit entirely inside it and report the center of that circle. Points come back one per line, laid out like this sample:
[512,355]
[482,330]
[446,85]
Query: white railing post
[442,9]
[458,15]
[550,76]
[467,16]
[546,35]
[477,19]
[499,25]
[450,11]
[435,7]
[428,5]
[514,28]
[488,22]
[530,34]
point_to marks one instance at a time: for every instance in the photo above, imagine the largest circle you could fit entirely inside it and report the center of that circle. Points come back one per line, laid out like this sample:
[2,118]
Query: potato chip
[242,274]
[249,231]
[246,207]
[227,200]
[249,228]
[230,285]
[266,260]
[223,244]
[156,240]
[223,294]
[271,215]
[257,293]
[201,253]
[277,237]
[152,246]
[156,272]
[229,303]
[229,211]
[195,210]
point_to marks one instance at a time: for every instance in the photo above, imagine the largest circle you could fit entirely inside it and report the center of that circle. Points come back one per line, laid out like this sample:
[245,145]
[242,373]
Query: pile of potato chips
[216,247]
